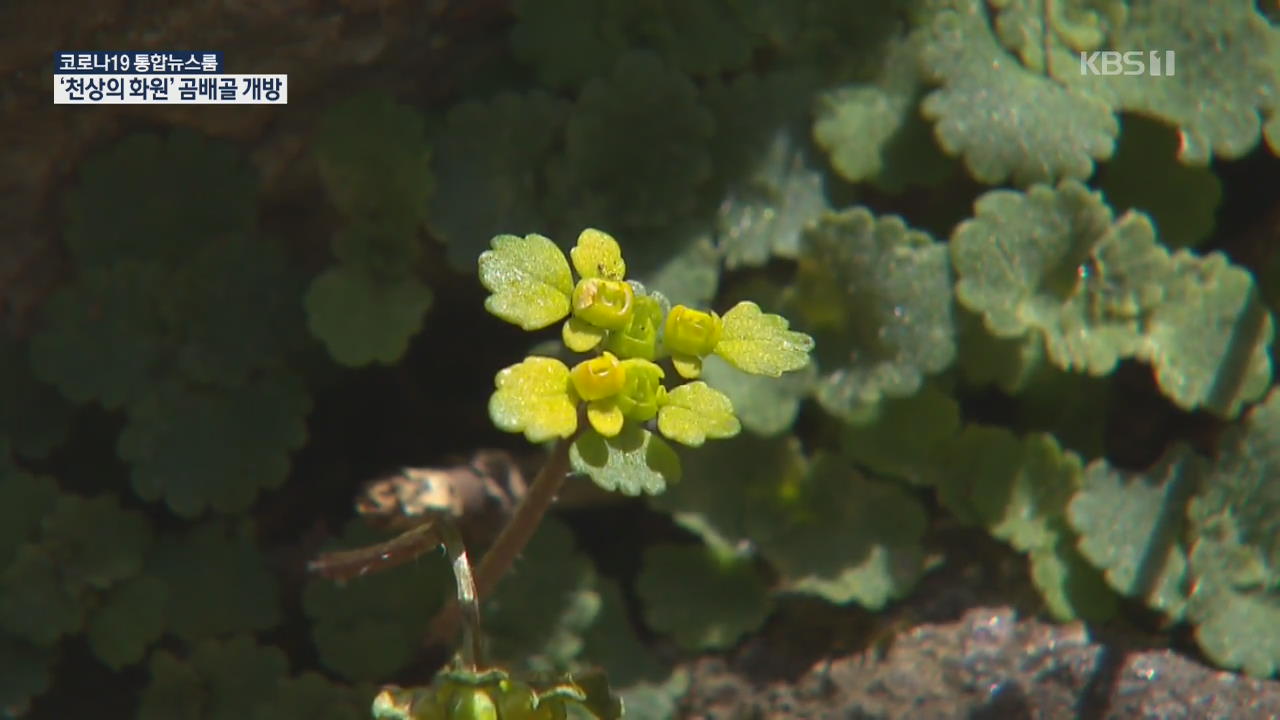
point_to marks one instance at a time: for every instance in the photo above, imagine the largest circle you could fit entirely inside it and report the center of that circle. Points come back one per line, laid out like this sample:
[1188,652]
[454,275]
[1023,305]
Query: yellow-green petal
[579,335]
[761,343]
[605,416]
[597,255]
[529,280]
[688,367]
[694,412]
[604,303]
[533,397]
[598,378]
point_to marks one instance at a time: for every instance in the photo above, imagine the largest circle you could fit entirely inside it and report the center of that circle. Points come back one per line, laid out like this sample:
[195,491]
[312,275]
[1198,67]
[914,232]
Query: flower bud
[604,303]
[643,391]
[639,339]
[691,332]
[599,377]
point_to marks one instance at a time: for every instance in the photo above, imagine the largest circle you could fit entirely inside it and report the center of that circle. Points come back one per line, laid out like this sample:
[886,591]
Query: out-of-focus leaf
[178,435]
[219,680]
[901,436]
[131,618]
[764,405]
[1208,340]
[218,583]
[489,158]
[877,297]
[706,598]
[1131,527]
[363,319]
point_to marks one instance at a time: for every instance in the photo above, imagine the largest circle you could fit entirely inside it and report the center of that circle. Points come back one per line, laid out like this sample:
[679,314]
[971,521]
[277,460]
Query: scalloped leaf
[489,160]
[35,605]
[25,499]
[764,405]
[104,337]
[765,213]
[373,158]
[34,416]
[1017,487]
[1224,51]
[371,628]
[694,412]
[533,397]
[219,680]
[24,672]
[537,616]
[310,696]
[736,488]
[1208,340]
[529,280]
[848,538]
[679,262]
[877,296]
[177,439]
[1052,261]
[706,598]
[597,255]
[1045,131]
[1236,556]
[148,198]
[760,343]
[218,583]
[900,438]
[363,319]
[1072,589]
[569,41]
[616,170]
[1131,526]
[633,462]
[872,131]
[97,543]
[131,618]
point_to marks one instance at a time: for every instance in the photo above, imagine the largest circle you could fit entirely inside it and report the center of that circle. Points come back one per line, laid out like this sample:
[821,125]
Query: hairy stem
[515,537]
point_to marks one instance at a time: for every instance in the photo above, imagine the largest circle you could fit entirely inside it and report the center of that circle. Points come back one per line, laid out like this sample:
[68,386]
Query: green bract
[621,385]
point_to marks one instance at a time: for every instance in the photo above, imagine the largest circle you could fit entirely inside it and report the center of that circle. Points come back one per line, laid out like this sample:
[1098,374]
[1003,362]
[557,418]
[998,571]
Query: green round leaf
[131,618]
[218,583]
[219,680]
[534,397]
[635,149]
[373,158]
[1131,527]
[1208,340]
[632,462]
[490,161]
[877,296]
[362,319]
[1053,262]
[1006,121]
[761,343]
[694,412]
[900,437]
[706,598]
[177,439]
[150,198]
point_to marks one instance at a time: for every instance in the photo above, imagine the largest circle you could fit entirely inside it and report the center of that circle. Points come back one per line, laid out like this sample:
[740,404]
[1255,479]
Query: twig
[513,540]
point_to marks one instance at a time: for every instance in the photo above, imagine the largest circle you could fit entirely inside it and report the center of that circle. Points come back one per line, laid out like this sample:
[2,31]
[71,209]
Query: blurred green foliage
[790,153]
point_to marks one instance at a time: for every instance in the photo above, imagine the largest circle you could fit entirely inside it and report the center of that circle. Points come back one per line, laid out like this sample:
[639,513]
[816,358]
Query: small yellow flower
[604,303]
[598,381]
[691,335]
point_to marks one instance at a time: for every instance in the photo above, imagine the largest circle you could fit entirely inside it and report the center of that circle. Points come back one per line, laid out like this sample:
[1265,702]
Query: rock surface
[988,664]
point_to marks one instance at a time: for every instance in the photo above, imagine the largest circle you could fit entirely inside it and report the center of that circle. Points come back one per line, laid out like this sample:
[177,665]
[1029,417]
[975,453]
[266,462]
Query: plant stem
[512,541]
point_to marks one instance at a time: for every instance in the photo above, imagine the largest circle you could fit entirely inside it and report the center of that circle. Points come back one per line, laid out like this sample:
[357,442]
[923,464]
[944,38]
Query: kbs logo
[1155,63]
